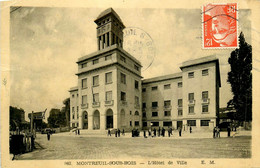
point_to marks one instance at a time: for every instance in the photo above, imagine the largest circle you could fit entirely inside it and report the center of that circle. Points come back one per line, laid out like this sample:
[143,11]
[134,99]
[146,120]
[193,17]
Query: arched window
[136,113]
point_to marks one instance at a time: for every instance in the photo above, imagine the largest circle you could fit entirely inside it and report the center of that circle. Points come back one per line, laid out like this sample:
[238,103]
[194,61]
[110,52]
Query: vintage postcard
[130,83]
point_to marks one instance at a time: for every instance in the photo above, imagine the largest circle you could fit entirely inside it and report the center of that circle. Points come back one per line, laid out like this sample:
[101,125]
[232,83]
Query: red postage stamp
[219,24]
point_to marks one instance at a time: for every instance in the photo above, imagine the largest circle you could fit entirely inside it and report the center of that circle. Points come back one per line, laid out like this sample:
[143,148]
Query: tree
[240,78]
[66,110]
[56,118]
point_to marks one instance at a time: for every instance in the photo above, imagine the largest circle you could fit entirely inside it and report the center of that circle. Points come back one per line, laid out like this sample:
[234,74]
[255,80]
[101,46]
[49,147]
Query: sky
[45,44]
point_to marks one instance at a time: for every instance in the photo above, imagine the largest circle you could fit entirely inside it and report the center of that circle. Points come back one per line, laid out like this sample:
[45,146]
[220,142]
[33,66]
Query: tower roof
[107,12]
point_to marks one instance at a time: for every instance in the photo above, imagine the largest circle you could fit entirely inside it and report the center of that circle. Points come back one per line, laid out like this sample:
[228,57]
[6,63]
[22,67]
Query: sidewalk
[185,135]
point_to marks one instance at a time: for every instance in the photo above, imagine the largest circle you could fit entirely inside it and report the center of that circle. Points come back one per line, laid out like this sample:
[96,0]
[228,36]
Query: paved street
[70,146]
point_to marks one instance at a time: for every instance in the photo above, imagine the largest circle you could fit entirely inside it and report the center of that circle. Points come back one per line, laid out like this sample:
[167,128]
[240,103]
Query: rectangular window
[136,123]
[108,57]
[191,75]
[154,88]
[108,77]
[144,114]
[96,97]
[179,84]
[180,112]
[73,96]
[204,122]
[131,123]
[191,109]
[167,103]
[167,113]
[84,83]
[95,80]
[205,108]
[123,59]
[205,72]
[144,124]
[154,104]
[167,123]
[84,65]
[77,108]
[168,86]
[156,124]
[123,78]
[191,96]
[95,61]
[144,105]
[109,96]
[179,102]
[144,90]
[136,68]
[73,116]
[123,96]
[154,114]
[191,122]
[136,100]
[205,94]
[136,84]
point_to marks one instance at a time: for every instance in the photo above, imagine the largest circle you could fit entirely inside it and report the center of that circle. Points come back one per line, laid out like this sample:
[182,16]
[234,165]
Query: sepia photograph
[130,86]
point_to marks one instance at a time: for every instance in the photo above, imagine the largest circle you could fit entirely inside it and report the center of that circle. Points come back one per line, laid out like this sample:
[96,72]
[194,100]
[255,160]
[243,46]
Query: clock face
[139,44]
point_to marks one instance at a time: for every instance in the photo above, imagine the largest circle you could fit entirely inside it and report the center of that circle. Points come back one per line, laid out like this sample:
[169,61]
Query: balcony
[155,108]
[191,102]
[167,107]
[84,106]
[205,101]
[137,106]
[123,102]
[179,107]
[109,103]
[95,104]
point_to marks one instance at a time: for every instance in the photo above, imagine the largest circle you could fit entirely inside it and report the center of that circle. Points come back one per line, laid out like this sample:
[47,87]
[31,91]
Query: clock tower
[109,29]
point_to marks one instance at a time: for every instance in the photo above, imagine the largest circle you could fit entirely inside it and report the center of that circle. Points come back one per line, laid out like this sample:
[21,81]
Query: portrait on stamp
[220,25]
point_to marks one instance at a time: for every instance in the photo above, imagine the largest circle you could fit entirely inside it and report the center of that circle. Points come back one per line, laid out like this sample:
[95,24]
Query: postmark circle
[140,45]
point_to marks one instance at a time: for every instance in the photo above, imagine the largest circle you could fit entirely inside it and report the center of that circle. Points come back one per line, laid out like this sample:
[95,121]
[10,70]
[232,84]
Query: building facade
[112,94]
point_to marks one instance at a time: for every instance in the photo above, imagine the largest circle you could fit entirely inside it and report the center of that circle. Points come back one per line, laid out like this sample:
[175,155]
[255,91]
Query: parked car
[46,130]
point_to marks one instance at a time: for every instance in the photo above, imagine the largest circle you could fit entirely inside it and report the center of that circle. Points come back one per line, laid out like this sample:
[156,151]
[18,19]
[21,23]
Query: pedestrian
[118,132]
[163,132]
[169,132]
[149,132]
[228,131]
[145,134]
[214,132]
[108,132]
[123,132]
[78,132]
[159,131]
[48,135]
[154,132]
[218,132]
[190,129]
[180,131]
[132,132]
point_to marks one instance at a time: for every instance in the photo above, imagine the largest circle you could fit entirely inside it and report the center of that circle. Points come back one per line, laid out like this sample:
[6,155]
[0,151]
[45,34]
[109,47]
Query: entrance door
[96,120]
[109,119]
[179,124]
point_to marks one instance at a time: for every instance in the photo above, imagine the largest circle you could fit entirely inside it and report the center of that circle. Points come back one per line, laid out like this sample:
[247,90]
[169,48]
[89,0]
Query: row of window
[108,57]
[204,72]
[167,113]
[108,80]
[166,86]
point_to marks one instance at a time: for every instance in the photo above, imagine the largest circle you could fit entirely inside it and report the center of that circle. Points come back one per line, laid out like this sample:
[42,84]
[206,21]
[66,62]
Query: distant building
[110,90]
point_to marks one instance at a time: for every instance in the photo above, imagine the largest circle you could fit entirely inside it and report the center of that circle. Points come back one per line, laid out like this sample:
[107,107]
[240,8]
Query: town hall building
[111,93]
